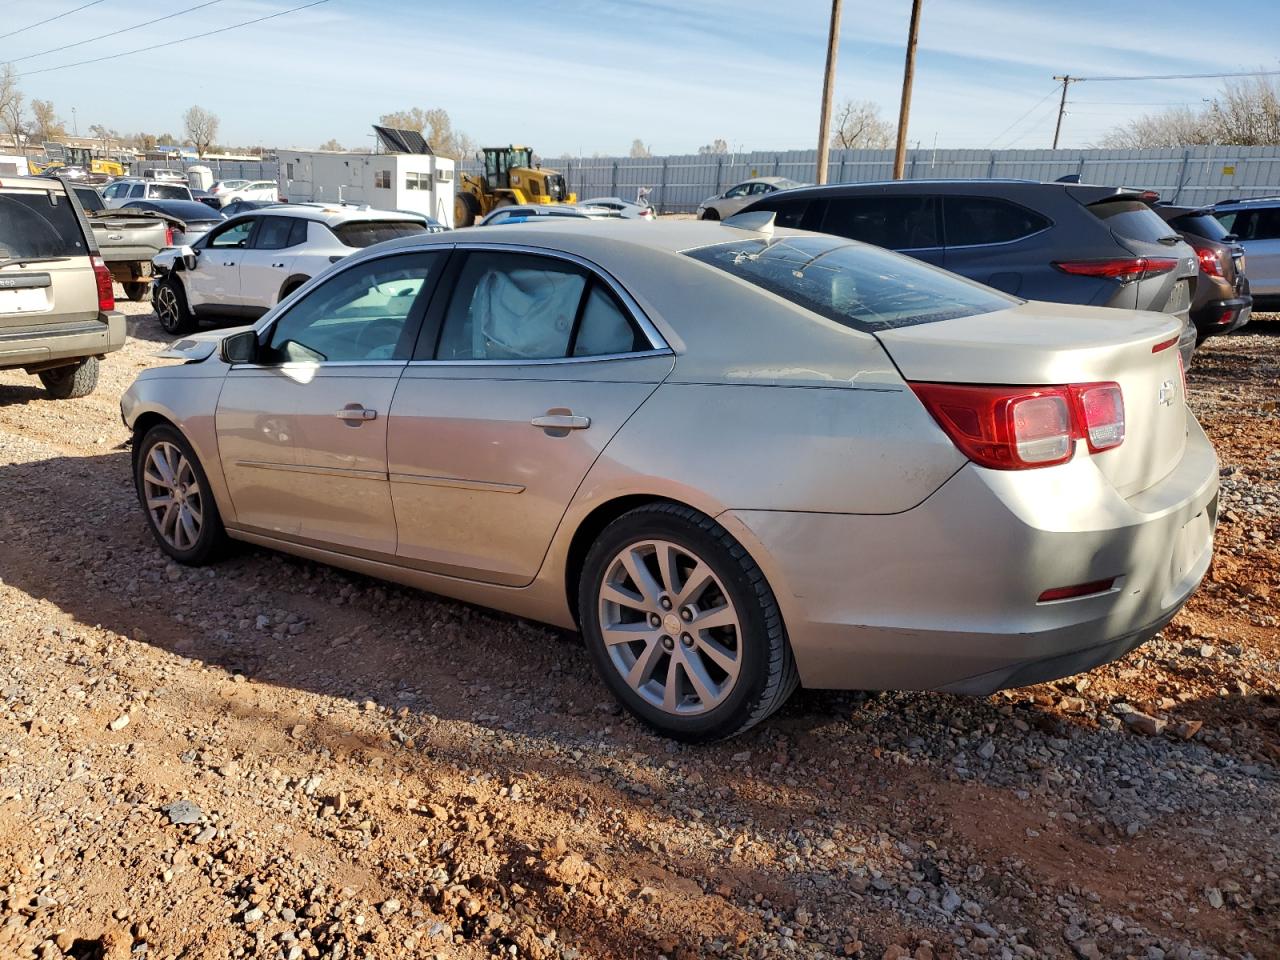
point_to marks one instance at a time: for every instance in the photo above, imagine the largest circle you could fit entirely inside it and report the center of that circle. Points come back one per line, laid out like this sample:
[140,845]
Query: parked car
[627,209]
[57,307]
[190,220]
[127,241]
[224,188]
[593,425]
[250,263]
[164,175]
[234,208]
[122,192]
[267,190]
[1256,225]
[733,200]
[1061,242]
[1222,300]
[205,197]
[522,213]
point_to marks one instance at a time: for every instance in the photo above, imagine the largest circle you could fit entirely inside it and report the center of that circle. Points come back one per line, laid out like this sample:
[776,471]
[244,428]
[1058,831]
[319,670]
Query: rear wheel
[67,383]
[709,214]
[136,291]
[174,492]
[171,308]
[682,626]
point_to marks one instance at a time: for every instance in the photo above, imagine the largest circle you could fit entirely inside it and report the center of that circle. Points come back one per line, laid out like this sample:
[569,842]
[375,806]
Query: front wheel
[709,214]
[682,626]
[172,310]
[174,493]
[67,383]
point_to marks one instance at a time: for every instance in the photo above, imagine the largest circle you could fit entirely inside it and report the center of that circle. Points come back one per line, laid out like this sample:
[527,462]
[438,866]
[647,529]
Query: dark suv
[1064,242]
[1222,301]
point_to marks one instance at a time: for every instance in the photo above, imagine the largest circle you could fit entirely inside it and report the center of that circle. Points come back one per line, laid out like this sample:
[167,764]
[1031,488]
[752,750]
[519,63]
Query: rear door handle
[561,421]
[356,413]
[280,265]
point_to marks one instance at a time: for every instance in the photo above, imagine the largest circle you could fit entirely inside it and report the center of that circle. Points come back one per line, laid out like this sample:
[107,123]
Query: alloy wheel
[174,500]
[670,627]
[167,308]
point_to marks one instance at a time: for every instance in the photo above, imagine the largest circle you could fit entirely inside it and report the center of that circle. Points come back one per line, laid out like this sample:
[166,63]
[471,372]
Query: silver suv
[57,308]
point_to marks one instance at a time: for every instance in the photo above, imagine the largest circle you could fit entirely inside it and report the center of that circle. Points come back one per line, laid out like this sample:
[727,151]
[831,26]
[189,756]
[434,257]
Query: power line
[171,43]
[1190,76]
[115,33]
[32,26]
[1039,102]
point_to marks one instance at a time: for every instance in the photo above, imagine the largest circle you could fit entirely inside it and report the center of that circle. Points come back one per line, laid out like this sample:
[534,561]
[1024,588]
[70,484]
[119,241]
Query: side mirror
[240,347]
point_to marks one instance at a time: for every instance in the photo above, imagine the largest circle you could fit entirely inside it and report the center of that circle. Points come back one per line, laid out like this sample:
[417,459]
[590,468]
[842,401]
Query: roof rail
[1245,200]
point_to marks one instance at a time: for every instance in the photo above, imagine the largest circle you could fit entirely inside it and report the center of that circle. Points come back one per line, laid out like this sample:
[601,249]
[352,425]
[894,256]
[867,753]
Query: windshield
[854,284]
[38,223]
[365,233]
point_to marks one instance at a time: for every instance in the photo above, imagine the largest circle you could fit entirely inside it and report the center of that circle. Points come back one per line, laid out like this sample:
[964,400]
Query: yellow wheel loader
[510,177]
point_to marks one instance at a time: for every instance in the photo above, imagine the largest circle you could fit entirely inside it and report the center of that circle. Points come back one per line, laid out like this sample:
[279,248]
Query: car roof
[31,183]
[333,215]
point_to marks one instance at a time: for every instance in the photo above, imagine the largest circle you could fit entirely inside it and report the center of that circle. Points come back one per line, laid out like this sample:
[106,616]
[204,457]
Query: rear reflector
[1124,269]
[1227,315]
[1018,428]
[106,293]
[1079,590]
[1164,345]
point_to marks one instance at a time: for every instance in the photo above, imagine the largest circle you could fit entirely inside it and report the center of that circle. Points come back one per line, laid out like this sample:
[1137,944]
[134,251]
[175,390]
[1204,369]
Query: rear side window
[169,191]
[1200,225]
[89,199]
[37,223]
[1131,220]
[1258,224]
[895,223]
[976,220]
[365,233]
[786,213]
[860,287]
[274,233]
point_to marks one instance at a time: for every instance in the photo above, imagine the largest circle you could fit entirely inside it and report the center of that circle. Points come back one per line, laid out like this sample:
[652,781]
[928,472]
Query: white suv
[267,190]
[244,267]
[120,193]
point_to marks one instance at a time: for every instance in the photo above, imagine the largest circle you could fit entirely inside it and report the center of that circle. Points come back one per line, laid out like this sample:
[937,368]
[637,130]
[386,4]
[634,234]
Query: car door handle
[356,413]
[561,421]
[279,265]
[228,263]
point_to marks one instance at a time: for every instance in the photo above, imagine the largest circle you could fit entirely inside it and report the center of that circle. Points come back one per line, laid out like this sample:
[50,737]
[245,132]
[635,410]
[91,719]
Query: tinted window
[169,191]
[363,313]
[37,223]
[604,327]
[1131,220]
[138,190]
[863,288]
[800,214]
[1200,225]
[508,306]
[274,233]
[974,220]
[368,232]
[1259,224]
[298,234]
[896,223]
[236,235]
[89,199]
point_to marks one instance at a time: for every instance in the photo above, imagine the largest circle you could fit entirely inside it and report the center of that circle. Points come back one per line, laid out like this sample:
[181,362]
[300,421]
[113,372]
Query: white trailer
[420,183]
[15,165]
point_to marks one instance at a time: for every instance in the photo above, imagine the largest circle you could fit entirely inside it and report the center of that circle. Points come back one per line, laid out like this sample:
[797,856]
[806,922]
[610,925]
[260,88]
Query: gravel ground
[272,758]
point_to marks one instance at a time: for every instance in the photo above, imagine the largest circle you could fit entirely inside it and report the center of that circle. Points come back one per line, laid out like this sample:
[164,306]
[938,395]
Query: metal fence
[677,184]
[1184,175]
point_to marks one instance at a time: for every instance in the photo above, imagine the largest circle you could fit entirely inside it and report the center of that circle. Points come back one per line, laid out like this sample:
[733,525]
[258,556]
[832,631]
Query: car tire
[705,684]
[171,309]
[174,492]
[136,292]
[68,383]
[709,215]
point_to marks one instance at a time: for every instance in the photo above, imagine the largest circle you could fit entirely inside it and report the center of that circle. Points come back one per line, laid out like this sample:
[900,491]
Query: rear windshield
[1131,220]
[169,191]
[854,284]
[365,233]
[38,223]
[1200,225]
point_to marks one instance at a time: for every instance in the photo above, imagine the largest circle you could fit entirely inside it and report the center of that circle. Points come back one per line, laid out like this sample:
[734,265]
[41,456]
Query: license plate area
[1195,537]
[1180,298]
[24,300]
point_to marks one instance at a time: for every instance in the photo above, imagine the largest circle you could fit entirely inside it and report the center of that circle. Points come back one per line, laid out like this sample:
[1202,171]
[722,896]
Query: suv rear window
[1200,225]
[365,233]
[39,223]
[169,191]
[858,286]
[1131,220]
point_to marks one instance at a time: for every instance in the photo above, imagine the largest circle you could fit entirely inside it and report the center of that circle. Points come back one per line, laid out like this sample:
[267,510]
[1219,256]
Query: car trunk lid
[1048,344]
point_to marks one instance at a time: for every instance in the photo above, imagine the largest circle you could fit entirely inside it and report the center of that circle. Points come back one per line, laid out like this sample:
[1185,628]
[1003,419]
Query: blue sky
[590,75]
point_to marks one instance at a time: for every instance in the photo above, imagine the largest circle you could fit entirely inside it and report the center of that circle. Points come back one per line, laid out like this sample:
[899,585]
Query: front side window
[365,313]
[895,223]
[860,287]
[138,190]
[512,306]
[739,191]
[976,220]
[1264,225]
[235,235]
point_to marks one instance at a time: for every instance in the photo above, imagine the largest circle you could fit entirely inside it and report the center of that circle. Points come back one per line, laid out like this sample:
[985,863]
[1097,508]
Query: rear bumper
[1222,316]
[944,596]
[38,346]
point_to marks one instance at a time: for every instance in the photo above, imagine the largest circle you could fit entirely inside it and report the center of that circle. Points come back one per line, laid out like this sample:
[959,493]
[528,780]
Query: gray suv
[57,308]
[1063,242]
[1256,225]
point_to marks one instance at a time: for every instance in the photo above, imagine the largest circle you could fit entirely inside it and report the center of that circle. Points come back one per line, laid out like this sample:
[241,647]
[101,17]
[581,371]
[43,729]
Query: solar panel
[402,141]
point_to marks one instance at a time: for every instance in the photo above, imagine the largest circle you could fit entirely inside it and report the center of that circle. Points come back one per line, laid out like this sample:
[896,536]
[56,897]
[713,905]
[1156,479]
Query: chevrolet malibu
[737,459]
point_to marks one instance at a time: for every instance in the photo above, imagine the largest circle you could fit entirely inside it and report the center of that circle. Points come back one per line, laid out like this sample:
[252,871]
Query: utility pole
[1062,107]
[908,75]
[828,88]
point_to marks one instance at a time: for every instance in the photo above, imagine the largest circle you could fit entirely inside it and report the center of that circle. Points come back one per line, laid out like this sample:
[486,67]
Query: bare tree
[1245,113]
[436,127]
[1177,127]
[717,146]
[859,126]
[640,149]
[12,107]
[45,125]
[331,144]
[201,127]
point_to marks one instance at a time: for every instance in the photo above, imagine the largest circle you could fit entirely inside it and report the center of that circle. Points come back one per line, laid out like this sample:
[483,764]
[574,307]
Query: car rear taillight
[1124,269]
[106,294]
[1019,428]
[1210,262]
[168,236]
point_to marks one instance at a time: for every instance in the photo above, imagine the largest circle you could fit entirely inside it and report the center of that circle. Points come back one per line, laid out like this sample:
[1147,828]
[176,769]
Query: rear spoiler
[1088,195]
